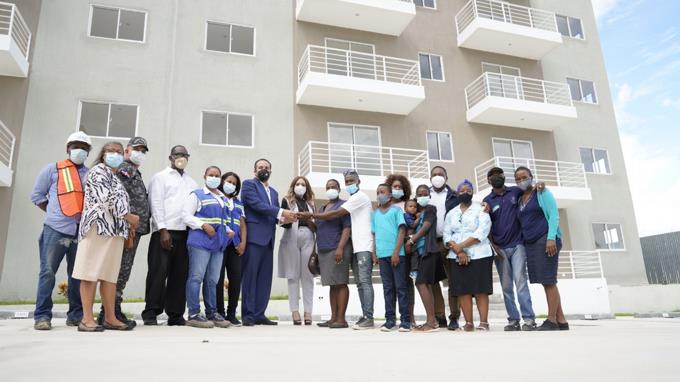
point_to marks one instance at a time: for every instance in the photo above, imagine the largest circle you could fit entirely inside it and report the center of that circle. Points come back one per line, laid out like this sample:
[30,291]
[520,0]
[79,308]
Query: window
[595,161]
[108,119]
[355,146]
[117,23]
[230,38]
[431,67]
[425,4]
[570,27]
[358,61]
[501,69]
[439,146]
[227,129]
[582,90]
[608,236]
[512,148]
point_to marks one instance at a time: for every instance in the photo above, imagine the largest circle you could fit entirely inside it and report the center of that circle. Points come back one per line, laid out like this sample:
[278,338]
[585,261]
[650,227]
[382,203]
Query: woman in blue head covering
[470,259]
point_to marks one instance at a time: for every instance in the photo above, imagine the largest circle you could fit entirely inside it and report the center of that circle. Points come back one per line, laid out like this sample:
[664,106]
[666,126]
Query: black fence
[662,258]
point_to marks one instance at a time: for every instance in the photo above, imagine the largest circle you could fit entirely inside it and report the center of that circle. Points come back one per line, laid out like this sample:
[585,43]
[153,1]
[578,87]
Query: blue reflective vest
[234,222]
[217,216]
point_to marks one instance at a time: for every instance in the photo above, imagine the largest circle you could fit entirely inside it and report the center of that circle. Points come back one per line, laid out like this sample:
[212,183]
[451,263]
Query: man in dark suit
[261,204]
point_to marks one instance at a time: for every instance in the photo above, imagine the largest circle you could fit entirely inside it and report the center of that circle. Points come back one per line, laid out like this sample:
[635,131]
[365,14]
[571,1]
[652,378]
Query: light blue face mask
[397,194]
[212,181]
[525,184]
[423,200]
[384,199]
[352,189]
[229,188]
[113,160]
[78,156]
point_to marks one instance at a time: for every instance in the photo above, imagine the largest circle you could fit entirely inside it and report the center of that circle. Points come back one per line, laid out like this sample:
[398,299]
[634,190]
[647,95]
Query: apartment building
[318,86]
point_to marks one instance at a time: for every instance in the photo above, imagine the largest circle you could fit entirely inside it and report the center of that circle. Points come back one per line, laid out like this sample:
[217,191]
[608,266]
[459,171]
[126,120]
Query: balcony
[320,161]
[7,142]
[358,81]
[15,42]
[505,28]
[501,99]
[389,17]
[566,180]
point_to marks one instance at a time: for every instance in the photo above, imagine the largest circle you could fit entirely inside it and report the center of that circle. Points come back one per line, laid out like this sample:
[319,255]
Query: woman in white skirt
[297,244]
[104,227]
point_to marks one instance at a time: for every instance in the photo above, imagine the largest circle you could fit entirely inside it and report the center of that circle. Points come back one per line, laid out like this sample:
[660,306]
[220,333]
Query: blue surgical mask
[397,194]
[525,184]
[113,160]
[352,189]
[229,188]
[78,156]
[423,200]
[384,199]
[332,194]
[212,181]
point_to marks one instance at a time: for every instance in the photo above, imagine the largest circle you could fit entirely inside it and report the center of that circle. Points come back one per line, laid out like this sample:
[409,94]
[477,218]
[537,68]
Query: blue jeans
[53,247]
[204,267]
[512,270]
[362,268]
[394,280]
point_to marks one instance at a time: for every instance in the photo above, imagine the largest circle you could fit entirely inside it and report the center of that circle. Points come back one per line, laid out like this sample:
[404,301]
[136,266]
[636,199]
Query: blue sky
[641,44]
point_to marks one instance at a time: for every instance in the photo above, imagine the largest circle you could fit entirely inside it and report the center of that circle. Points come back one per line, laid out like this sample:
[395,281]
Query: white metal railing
[575,265]
[13,24]
[505,12]
[7,142]
[321,59]
[514,87]
[552,173]
[334,158]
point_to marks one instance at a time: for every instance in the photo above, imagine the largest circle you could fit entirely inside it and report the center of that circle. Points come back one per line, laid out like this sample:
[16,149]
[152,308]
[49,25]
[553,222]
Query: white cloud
[674,103]
[603,7]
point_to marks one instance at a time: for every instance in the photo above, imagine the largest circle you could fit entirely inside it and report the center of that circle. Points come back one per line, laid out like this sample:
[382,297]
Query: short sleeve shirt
[503,209]
[359,208]
[385,225]
[328,232]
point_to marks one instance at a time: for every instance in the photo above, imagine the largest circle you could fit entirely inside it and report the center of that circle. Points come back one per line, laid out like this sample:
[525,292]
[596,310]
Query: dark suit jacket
[260,213]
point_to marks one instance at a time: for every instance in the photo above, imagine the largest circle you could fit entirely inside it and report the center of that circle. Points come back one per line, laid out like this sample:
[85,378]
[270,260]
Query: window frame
[424,7]
[441,60]
[353,126]
[226,145]
[205,42]
[113,7]
[606,226]
[580,20]
[592,150]
[511,140]
[580,86]
[108,122]
[500,66]
[439,148]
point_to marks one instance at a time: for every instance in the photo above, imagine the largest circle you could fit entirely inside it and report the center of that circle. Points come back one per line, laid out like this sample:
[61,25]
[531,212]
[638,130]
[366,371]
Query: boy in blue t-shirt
[389,230]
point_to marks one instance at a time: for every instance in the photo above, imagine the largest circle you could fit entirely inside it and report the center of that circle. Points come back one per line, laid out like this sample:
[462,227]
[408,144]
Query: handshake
[290,217]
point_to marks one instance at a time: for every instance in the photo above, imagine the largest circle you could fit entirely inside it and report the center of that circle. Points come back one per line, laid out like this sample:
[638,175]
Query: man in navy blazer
[261,205]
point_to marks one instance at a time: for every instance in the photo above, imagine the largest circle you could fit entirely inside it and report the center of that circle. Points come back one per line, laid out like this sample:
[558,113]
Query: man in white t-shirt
[359,207]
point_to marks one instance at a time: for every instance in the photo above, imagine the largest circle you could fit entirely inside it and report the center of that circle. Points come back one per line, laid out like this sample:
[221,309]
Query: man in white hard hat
[59,191]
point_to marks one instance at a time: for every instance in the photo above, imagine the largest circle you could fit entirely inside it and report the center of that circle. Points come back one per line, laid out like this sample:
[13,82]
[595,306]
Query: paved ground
[624,349]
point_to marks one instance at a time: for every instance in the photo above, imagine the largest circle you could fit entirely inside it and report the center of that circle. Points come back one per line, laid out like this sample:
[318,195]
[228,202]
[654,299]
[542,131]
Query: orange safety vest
[69,188]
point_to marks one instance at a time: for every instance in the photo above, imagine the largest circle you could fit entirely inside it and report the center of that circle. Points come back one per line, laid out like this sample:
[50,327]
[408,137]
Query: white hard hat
[79,136]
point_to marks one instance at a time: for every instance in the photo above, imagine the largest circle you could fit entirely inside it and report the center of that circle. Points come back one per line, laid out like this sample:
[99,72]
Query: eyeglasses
[180,155]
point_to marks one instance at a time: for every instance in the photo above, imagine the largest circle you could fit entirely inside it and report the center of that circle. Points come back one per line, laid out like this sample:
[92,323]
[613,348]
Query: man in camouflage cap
[131,177]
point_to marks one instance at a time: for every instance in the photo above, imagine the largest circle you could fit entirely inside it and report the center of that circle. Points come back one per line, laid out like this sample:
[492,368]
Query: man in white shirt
[168,261]
[359,207]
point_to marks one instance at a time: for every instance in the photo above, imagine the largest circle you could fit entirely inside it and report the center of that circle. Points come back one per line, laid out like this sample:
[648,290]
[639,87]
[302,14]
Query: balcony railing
[552,173]
[505,12]
[514,87]
[339,62]
[13,24]
[7,142]
[575,265]
[334,158]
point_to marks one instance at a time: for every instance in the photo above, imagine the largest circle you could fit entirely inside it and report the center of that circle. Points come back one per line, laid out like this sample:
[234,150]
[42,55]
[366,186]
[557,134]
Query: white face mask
[228,188]
[438,181]
[181,163]
[300,190]
[78,156]
[332,194]
[137,157]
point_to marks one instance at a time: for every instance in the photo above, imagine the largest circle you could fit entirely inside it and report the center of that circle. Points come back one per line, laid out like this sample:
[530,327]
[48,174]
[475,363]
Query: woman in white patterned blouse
[104,226]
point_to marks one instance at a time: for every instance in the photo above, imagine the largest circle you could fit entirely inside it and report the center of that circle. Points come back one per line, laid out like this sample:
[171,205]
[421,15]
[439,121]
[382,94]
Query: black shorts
[474,278]
[430,269]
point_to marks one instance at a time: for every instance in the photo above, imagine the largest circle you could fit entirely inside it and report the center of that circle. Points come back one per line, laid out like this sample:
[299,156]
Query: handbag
[130,240]
[313,263]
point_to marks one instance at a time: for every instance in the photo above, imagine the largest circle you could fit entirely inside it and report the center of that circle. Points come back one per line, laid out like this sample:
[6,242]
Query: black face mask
[497,181]
[263,175]
[465,198]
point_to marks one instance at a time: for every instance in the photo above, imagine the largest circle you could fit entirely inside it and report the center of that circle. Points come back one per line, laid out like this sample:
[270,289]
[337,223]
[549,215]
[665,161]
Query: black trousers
[167,277]
[232,264]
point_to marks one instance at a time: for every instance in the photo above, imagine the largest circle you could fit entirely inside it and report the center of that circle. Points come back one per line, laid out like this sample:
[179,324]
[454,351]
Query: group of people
[226,228]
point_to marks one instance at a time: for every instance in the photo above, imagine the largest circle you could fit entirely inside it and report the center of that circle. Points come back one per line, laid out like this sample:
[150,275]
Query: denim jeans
[512,270]
[394,282]
[362,268]
[53,247]
[204,266]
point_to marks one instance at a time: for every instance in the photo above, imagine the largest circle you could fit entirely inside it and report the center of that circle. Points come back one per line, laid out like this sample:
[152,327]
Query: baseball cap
[138,141]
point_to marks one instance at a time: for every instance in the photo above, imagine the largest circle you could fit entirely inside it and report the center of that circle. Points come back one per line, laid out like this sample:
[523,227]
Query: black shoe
[453,325]
[150,322]
[266,322]
[100,318]
[177,321]
[563,326]
[234,321]
[323,324]
[529,326]
[512,326]
[72,323]
[247,322]
[441,320]
[548,325]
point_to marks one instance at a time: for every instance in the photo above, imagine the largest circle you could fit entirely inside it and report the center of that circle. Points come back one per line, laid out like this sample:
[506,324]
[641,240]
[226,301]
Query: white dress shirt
[279,216]
[168,193]
[438,199]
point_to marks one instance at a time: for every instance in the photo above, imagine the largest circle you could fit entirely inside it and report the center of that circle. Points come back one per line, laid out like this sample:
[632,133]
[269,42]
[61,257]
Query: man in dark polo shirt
[506,237]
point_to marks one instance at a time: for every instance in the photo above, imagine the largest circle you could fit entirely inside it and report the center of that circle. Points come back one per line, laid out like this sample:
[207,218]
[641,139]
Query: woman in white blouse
[104,227]
[466,231]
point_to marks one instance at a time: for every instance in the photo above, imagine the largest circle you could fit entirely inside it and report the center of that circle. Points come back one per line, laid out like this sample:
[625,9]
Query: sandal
[123,327]
[469,327]
[426,328]
[308,319]
[91,329]
[483,327]
[297,321]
